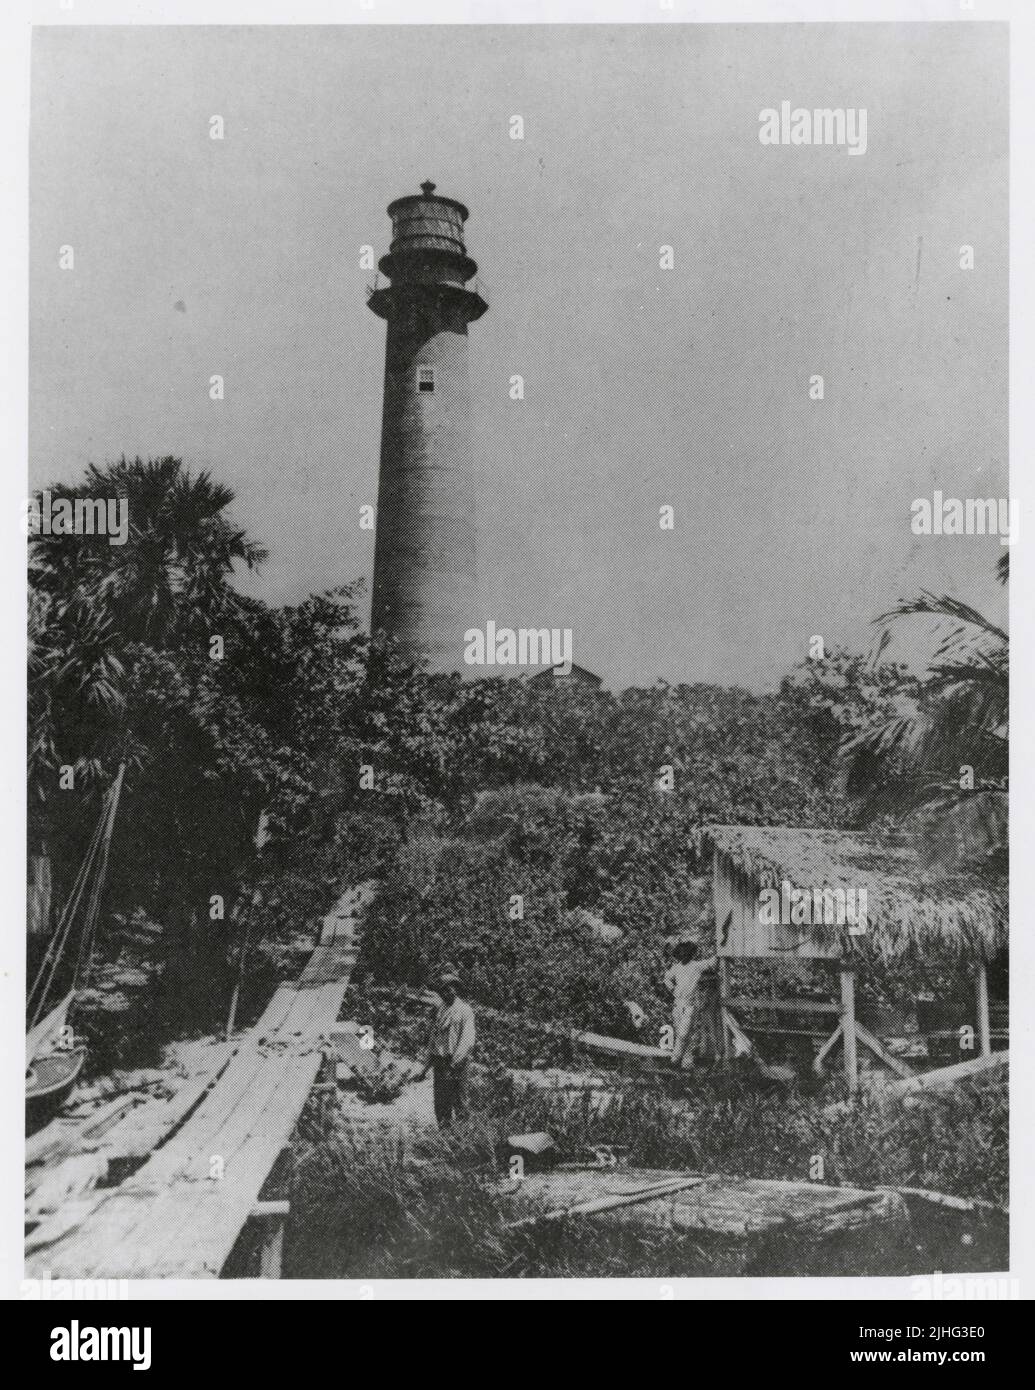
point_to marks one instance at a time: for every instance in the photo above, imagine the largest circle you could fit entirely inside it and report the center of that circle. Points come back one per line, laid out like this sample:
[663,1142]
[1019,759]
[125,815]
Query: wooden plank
[618,1047]
[960,1204]
[134,1133]
[262,1211]
[821,1055]
[945,1199]
[769,1031]
[722,985]
[233,1092]
[146,1128]
[946,1076]
[737,1208]
[246,1171]
[868,1040]
[611,1203]
[223,1142]
[195,1235]
[981,1000]
[160,1222]
[746,1210]
[274,1015]
[173,1218]
[848,1029]
[215,1236]
[930,1080]
[791,1006]
[744,1045]
[271,1250]
[262,1104]
[239,1096]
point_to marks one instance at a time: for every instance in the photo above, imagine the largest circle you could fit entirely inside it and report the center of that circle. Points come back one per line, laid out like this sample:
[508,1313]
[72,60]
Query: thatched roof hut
[909,908]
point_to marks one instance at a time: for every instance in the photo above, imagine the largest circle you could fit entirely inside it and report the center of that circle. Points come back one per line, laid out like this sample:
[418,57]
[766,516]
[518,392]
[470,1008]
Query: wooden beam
[612,1202]
[946,1076]
[848,1029]
[745,1047]
[981,999]
[770,1030]
[944,1199]
[722,980]
[790,1006]
[743,1042]
[817,1065]
[868,1040]
[270,1218]
[619,1047]
[271,1250]
[265,1211]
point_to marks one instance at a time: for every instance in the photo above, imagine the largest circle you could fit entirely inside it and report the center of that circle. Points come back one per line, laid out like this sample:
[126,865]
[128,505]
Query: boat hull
[48,1083]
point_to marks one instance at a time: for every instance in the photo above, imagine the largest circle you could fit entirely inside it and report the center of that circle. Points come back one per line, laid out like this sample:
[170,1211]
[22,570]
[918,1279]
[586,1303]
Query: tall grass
[390,1203]
[954,1142]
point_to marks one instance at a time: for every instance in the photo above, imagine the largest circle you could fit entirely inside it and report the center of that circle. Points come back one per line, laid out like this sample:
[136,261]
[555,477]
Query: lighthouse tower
[424,558]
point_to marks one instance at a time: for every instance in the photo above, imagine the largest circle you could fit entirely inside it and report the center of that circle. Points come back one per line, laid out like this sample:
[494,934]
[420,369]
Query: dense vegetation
[542,835]
[234,718]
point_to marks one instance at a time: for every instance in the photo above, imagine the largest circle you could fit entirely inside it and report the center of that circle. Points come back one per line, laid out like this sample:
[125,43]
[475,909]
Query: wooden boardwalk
[179,1215]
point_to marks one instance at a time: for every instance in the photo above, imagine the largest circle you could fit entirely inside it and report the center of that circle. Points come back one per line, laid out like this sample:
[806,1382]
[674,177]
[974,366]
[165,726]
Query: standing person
[450,1043]
[681,980]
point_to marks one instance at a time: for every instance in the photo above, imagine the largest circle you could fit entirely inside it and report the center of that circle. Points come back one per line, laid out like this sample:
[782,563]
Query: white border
[14,87]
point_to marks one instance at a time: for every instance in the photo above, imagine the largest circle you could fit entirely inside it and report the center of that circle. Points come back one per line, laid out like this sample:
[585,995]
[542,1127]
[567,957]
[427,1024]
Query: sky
[644,387]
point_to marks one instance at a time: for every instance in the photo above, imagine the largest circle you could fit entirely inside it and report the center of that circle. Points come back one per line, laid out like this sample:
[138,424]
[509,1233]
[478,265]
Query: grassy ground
[377,1206]
[730,1121]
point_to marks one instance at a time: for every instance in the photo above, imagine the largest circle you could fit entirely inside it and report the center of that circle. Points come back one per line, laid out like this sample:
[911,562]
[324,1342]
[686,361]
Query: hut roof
[910,907]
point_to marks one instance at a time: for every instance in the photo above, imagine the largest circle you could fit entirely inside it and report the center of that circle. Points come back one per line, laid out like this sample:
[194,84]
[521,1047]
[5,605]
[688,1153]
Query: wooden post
[981,994]
[848,1029]
[721,982]
[721,977]
[271,1251]
[270,1217]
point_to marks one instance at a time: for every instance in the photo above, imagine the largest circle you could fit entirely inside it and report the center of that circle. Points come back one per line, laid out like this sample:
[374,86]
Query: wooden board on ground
[180,1214]
[737,1208]
[622,1050]
[947,1076]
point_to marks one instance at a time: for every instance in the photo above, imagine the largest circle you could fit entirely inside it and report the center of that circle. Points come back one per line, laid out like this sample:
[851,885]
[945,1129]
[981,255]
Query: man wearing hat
[450,1043]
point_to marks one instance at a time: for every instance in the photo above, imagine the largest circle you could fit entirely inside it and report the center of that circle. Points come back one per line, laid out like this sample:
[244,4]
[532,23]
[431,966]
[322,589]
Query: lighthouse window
[425,378]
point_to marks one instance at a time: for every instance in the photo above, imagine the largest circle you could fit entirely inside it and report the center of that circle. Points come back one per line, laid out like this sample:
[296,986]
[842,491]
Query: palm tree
[941,760]
[93,602]
[170,578]
[100,614]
